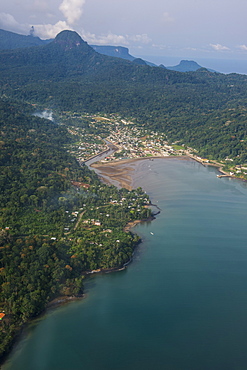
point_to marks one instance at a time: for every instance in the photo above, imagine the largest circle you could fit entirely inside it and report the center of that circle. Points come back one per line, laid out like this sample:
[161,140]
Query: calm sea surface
[182,302]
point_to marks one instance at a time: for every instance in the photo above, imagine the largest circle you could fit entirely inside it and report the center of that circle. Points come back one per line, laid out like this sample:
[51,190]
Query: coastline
[219,168]
[122,172]
[132,224]
[125,177]
[52,305]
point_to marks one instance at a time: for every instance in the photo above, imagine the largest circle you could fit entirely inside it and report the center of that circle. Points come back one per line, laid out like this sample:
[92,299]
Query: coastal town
[94,133]
[129,140]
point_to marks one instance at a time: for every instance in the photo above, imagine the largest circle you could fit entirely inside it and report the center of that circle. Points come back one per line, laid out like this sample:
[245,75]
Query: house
[2,314]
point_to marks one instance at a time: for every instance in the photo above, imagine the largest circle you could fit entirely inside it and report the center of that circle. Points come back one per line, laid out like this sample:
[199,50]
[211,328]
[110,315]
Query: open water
[180,305]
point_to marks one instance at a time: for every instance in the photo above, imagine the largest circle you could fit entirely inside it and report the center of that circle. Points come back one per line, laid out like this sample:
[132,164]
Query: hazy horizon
[221,65]
[178,29]
[225,66]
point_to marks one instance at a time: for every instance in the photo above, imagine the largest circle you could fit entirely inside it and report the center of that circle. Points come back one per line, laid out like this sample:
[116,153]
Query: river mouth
[127,173]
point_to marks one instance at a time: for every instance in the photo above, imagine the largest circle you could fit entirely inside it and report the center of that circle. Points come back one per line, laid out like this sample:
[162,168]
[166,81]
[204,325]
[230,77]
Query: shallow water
[182,302]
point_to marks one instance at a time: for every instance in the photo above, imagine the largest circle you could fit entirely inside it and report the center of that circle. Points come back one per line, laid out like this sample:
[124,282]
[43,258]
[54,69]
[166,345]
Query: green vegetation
[202,109]
[57,220]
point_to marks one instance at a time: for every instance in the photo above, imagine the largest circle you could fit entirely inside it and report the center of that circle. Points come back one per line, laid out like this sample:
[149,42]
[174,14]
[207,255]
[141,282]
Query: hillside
[11,40]
[48,237]
[187,66]
[68,74]
[43,188]
[113,51]
[117,52]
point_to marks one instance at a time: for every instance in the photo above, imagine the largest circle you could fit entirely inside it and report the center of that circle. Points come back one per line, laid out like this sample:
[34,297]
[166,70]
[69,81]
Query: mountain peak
[139,61]
[69,39]
[189,64]
[186,66]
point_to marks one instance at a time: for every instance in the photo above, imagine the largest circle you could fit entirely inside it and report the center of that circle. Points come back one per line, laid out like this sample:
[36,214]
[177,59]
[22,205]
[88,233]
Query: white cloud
[109,39]
[49,31]
[243,47]
[8,22]
[219,47]
[72,10]
[159,46]
[144,39]
[112,39]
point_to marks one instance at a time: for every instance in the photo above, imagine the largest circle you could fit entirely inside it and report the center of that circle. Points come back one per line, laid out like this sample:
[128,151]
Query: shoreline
[131,160]
[125,178]
[132,224]
[126,181]
[52,305]
[124,175]
[219,168]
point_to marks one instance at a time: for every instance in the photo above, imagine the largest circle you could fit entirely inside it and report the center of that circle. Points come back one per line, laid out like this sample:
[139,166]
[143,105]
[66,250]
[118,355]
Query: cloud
[8,22]
[219,47]
[72,10]
[112,39]
[49,31]
[243,47]
[159,46]
[144,39]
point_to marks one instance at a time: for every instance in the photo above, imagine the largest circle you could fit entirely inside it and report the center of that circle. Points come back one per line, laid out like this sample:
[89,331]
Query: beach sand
[118,173]
[123,173]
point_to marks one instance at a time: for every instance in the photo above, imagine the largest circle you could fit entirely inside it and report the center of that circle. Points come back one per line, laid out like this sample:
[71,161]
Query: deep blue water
[180,305]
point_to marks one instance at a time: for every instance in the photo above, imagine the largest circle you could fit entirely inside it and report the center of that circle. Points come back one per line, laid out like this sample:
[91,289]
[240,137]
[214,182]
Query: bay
[182,302]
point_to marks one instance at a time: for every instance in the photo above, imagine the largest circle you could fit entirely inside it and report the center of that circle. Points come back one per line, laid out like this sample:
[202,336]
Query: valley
[58,221]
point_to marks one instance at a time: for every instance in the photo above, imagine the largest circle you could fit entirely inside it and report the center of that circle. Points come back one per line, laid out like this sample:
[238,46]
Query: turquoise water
[182,302]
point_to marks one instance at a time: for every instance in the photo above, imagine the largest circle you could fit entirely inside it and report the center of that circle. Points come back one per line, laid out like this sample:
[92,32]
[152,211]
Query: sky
[164,31]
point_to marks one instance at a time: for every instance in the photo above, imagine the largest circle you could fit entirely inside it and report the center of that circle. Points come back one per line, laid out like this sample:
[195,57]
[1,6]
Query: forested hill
[42,249]
[68,57]
[187,66]
[11,40]
[114,51]
[70,60]
[68,74]
[48,205]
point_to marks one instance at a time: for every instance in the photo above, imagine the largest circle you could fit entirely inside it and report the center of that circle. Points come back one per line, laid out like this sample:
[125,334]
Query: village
[94,133]
[131,141]
[100,215]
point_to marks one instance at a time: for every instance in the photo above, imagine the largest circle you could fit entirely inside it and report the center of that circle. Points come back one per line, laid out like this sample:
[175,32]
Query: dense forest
[205,110]
[57,220]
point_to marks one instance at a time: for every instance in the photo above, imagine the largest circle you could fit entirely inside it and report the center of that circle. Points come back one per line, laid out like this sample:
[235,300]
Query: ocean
[220,65]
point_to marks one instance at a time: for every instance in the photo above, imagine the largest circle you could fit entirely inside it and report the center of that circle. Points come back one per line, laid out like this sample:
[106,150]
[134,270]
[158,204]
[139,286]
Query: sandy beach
[116,173]
[122,173]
